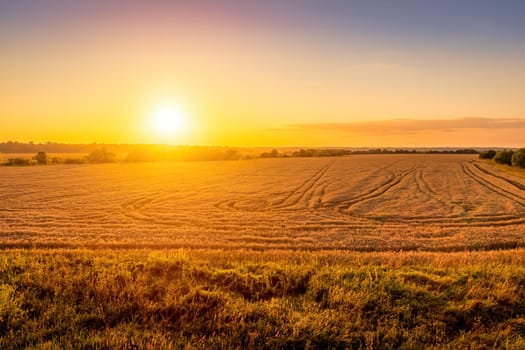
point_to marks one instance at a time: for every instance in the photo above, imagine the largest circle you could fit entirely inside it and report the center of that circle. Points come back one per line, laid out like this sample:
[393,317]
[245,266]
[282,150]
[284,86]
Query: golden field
[363,203]
[357,252]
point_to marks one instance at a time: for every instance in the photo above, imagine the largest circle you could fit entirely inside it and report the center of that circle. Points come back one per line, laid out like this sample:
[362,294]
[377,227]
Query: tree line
[140,154]
[331,152]
[155,153]
[508,157]
[42,158]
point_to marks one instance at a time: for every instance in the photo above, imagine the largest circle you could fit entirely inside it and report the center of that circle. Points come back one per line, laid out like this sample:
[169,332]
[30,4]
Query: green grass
[218,299]
[519,172]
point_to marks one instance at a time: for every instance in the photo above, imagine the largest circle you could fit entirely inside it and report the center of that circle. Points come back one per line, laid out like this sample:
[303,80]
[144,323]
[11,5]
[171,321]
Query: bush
[273,154]
[325,152]
[518,158]
[504,157]
[466,151]
[101,156]
[41,158]
[487,154]
[18,161]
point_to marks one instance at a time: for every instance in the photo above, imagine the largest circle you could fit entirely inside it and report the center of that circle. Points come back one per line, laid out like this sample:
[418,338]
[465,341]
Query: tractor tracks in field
[501,177]
[425,188]
[136,208]
[422,184]
[488,181]
[305,193]
[378,191]
[485,181]
[308,197]
[145,208]
[470,170]
[343,207]
[305,190]
[451,221]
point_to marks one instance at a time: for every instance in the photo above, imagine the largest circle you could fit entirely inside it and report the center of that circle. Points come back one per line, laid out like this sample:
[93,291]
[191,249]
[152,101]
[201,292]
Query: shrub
[487,154]
[18,161]
[518,158]
[273,154]
[504,157]
[325,152]
[101,155]
[41,158]
[466,151]
[232,154]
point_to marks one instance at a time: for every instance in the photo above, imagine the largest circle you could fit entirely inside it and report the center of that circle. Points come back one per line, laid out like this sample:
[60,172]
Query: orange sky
[265,75]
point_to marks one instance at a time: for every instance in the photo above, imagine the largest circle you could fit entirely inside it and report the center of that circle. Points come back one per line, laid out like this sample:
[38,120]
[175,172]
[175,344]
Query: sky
[265,73]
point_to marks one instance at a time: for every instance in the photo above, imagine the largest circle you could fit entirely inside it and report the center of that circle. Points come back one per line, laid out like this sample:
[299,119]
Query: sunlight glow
[168,121]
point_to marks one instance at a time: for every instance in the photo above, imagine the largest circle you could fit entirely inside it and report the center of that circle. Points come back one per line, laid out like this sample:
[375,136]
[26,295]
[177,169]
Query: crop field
[357,252]
[363,203]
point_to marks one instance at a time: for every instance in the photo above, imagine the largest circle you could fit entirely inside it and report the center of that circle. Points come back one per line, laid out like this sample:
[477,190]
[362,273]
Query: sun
[168,121]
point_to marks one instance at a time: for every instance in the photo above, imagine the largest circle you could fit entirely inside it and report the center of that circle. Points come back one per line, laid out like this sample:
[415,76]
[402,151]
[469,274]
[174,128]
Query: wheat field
[358,252]
[361,203]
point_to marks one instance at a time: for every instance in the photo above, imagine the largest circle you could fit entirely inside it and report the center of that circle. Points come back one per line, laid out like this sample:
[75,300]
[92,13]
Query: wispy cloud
[407,126]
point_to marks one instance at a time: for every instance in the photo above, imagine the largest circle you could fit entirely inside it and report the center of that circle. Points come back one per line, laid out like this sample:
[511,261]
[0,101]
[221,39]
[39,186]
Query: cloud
[408,126]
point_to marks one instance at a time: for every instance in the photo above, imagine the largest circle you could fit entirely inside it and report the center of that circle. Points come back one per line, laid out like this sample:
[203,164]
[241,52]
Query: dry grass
[509,170]
[212,299]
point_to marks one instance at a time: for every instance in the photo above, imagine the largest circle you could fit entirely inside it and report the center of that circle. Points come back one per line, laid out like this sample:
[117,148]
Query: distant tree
[232,154]
[41,158]
[101,155]
[273,154]
[323,153]
[18,161]
[487,154]
[466,151]
[518,158]
[504,157]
